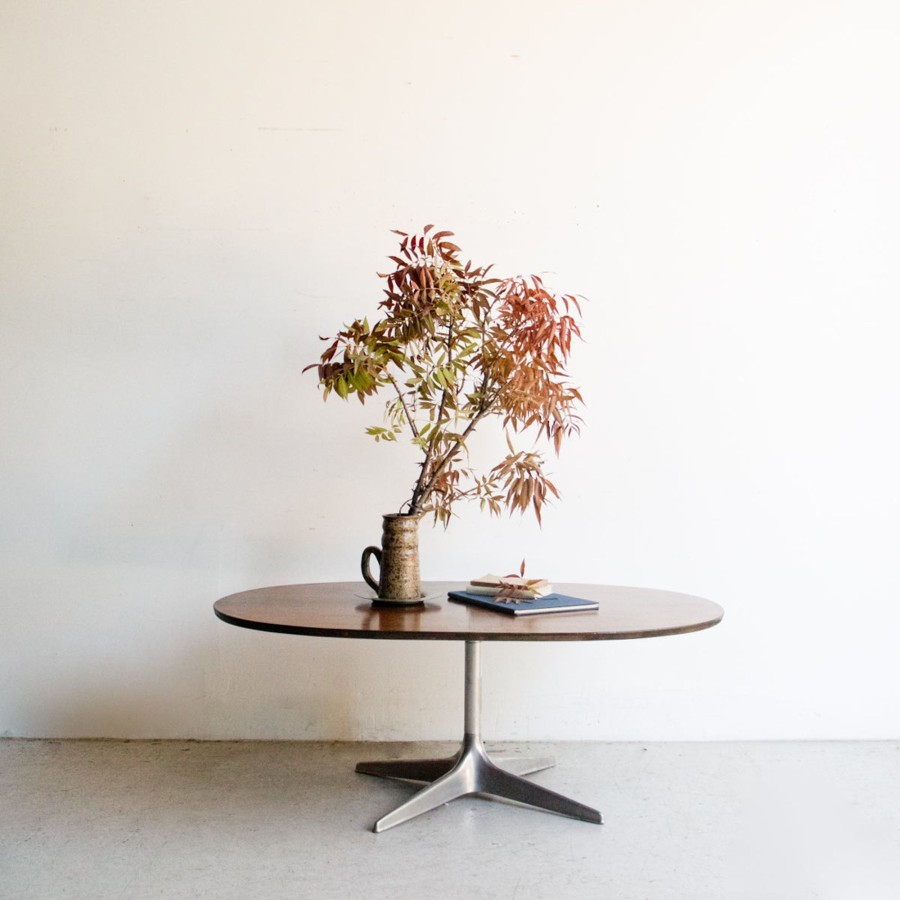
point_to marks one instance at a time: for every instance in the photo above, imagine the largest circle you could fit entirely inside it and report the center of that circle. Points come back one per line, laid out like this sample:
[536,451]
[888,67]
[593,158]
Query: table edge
[468,635]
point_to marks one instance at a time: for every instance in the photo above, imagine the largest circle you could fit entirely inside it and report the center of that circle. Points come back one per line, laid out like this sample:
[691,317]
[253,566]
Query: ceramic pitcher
[398,561]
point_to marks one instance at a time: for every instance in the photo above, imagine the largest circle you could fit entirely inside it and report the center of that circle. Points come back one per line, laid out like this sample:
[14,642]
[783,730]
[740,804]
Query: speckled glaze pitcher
[398,561]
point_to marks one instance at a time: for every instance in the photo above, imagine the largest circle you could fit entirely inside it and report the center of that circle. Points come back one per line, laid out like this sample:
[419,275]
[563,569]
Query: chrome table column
[471,771]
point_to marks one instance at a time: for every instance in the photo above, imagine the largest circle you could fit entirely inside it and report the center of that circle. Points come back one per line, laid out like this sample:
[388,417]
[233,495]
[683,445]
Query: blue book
[551,603]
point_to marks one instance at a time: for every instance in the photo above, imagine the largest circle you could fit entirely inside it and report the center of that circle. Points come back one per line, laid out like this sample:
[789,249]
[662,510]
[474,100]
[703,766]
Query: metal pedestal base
[471,771]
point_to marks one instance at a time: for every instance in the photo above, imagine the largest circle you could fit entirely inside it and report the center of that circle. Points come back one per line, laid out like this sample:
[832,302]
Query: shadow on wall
[239,684]
[218,688]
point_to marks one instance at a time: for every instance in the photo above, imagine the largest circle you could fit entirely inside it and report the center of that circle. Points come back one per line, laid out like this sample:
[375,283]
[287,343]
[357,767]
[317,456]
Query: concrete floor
[120,819]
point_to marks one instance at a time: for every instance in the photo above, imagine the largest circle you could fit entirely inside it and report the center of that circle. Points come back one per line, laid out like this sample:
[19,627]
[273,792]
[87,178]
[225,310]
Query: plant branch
[443,405]
[429,452]
[409,418]
[423,487]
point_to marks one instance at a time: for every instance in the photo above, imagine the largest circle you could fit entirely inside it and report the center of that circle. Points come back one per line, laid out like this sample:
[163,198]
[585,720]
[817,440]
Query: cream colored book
[512,586]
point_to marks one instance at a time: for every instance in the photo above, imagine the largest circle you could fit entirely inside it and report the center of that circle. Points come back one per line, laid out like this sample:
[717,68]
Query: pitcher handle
[367,555]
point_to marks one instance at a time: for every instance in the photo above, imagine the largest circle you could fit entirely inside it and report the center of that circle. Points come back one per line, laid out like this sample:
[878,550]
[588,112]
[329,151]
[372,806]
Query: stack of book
[517,596]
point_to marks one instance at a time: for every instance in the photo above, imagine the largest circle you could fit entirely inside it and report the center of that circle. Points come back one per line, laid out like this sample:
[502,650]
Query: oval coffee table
[345,609]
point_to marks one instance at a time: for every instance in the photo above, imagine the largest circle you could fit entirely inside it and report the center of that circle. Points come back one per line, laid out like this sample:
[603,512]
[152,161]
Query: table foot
[450,786]
[408,769]
[472,772]
[504,784]
[523,765]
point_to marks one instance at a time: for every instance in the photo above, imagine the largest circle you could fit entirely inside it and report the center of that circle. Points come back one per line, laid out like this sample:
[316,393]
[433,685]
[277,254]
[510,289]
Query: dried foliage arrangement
[454,346]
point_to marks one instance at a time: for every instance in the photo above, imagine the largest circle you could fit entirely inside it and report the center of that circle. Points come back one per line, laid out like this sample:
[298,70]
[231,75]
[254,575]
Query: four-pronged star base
[472,771]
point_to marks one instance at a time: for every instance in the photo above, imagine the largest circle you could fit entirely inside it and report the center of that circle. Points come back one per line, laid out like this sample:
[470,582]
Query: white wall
[192,192]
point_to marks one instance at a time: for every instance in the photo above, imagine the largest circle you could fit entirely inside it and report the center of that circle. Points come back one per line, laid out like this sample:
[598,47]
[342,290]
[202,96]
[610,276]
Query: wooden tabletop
[344,609]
